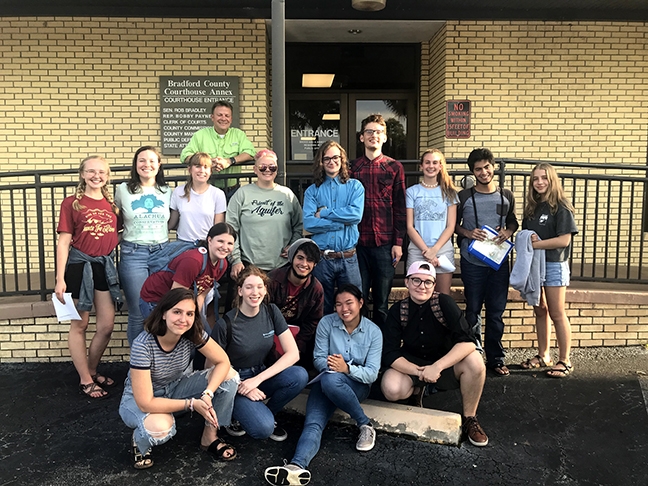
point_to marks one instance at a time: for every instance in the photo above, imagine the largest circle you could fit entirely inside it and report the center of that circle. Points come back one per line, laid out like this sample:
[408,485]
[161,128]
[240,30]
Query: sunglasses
[268,168]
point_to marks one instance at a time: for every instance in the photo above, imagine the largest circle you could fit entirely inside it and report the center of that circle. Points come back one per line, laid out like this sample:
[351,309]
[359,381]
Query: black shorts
[74,277]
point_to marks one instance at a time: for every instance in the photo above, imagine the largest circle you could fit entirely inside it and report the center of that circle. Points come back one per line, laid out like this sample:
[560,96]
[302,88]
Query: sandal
[536,362]
[563,372]
[89,388]
[103,381]
[141,461]
[500,369]
[220,452]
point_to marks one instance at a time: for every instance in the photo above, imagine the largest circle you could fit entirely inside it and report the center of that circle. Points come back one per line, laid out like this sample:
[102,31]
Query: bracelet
[208,392]
[186,404]
[191,407]
[232,161]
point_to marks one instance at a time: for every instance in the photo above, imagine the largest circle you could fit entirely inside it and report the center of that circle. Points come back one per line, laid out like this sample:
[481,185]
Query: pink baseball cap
[422,267]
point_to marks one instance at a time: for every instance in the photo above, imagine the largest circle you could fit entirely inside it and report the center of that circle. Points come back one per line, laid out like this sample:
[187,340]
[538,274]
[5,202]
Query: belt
[333,255]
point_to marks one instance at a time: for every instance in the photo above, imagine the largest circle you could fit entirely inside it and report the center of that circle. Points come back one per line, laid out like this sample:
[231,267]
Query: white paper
[67,311]
[319,377]
[445,265]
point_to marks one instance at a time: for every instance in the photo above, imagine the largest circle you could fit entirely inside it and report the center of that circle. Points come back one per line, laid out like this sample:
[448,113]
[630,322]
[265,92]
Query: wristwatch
[232,161]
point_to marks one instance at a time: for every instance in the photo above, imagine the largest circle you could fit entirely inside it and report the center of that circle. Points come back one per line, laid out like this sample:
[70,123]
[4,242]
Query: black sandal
[89,388]
[141,461]
[219,452]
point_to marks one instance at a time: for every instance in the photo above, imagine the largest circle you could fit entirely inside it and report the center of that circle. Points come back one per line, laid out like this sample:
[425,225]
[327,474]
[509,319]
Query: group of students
[258,231]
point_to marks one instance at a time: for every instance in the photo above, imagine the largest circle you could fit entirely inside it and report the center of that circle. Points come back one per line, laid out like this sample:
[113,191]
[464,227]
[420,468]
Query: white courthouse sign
[185,106]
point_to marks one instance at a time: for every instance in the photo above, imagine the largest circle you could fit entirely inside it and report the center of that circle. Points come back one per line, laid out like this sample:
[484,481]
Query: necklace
[429,186]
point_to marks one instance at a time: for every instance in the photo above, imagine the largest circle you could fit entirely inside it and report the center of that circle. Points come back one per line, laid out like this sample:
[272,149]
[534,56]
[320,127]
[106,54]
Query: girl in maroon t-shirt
[88,223]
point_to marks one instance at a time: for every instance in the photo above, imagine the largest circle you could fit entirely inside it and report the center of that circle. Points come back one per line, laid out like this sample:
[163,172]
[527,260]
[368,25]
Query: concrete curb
[423,424]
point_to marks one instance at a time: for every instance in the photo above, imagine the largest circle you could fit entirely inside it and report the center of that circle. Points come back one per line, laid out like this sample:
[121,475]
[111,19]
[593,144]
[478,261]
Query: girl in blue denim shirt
[347,354]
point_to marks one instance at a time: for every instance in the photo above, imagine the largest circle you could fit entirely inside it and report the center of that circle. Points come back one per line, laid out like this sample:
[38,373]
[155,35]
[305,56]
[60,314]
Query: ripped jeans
[188,386]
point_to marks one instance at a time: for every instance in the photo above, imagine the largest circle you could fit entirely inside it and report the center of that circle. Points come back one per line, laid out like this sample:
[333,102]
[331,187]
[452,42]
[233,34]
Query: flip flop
[561,372]
[500,369]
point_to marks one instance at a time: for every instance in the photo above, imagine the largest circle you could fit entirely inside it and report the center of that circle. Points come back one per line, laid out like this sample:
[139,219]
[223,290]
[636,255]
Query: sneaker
[235,429]
[475,433]
[279,435]
[288,474]
[367,438]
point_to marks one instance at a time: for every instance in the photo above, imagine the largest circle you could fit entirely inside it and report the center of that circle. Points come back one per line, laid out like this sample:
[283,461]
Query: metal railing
[611,206]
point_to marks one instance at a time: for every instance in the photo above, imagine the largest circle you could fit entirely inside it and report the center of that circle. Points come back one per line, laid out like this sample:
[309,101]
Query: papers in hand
[489,251]
[67,311]
[319,377]
[445,265]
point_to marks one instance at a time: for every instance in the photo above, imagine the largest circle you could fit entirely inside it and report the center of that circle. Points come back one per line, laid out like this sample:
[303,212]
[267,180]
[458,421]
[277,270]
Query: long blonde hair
[444,180]
[197,159]
[81,187]
[555,195]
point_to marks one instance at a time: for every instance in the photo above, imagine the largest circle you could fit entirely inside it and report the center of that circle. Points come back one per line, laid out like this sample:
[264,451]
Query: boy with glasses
[428,346]
[333,207]
[384,221]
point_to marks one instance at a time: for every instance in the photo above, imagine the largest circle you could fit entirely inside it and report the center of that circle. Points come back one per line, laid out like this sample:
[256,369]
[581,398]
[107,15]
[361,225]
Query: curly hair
[81,187]
[443,179]
[134,183]
[250,271]
[555,195]
[319,174]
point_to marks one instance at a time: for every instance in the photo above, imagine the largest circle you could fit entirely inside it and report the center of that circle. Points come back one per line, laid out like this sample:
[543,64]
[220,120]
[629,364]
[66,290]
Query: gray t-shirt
[252,337]
[492,210]
[548,225]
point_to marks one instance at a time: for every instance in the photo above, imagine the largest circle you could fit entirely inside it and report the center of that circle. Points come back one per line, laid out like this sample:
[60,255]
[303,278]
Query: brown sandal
[103,381]
[90,388]
[536,362]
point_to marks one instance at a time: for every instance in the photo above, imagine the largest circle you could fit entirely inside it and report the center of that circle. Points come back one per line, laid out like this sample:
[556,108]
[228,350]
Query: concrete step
[420,423]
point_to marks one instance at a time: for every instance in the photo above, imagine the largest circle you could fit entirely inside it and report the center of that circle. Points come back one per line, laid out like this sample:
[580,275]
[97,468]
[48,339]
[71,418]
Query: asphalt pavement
[588,429]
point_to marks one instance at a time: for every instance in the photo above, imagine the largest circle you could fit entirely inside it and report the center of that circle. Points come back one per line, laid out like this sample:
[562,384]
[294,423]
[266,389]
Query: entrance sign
[457,119]
[185,106]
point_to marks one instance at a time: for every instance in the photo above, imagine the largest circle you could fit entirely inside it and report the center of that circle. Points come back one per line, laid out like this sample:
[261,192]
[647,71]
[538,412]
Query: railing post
[502,173]
[41,238]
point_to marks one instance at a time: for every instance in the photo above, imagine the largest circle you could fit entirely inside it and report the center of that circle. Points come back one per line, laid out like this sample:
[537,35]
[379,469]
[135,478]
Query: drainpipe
[279,85]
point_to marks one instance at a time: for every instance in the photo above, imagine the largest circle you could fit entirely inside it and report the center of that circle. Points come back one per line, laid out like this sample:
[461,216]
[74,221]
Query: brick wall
[74,86]
[569,91]
[28,332]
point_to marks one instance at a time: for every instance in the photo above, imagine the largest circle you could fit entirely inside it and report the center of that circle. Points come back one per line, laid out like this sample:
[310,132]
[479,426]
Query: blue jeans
[335,273]
[377,274]
[333,391]
[188,386]
[488,287]
[133,271]
[257,418]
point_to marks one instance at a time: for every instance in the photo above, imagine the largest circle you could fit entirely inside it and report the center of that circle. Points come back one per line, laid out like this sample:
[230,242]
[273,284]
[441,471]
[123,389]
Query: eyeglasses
[370,132]
[335,158]
[269,168]
[417,282]
[94,172]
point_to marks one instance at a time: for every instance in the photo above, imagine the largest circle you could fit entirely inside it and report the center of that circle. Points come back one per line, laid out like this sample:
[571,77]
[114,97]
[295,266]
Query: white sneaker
[235,429]
[367,438]
[278,434]
[287,475]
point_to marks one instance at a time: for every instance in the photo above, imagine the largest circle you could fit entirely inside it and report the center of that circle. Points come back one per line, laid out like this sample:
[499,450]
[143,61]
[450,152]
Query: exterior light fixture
[368,5]
[317,80]
[354,31]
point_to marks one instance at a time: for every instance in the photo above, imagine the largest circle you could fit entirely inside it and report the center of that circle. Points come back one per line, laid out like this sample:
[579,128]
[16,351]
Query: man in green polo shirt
[226,145]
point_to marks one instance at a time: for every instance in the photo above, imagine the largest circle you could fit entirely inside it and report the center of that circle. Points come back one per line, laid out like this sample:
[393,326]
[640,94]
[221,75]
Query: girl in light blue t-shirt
[431,218]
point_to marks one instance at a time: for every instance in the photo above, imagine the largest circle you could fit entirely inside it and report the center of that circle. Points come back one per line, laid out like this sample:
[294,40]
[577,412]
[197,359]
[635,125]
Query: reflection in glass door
[397,111]
[311,122]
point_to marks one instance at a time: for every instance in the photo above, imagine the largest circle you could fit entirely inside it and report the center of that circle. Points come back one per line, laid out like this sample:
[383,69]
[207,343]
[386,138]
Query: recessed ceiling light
[317,80]
[368,5]
[355,31]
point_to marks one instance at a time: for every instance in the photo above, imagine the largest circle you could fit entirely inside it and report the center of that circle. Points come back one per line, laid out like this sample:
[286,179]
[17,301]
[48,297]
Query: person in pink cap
[428,346]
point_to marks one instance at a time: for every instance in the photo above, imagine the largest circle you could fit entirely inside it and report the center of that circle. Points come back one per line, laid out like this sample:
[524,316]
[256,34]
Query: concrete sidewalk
[588,429]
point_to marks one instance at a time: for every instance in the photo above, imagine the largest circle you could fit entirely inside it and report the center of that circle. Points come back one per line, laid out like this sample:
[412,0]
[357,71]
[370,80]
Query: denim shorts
[557,274]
